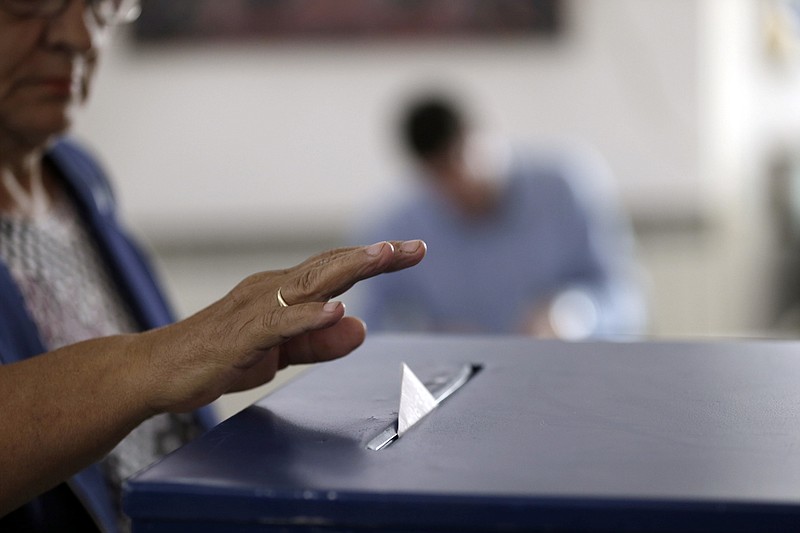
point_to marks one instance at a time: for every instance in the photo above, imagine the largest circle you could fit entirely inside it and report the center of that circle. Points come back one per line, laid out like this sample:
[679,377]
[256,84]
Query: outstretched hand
[65,409]
[242,340]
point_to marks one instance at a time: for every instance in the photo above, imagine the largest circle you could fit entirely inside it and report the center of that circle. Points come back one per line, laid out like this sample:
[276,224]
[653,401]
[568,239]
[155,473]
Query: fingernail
[375,249]
[410,246]
[330,307]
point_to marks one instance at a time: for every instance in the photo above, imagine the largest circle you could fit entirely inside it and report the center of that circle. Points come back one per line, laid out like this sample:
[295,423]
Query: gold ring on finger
[281,301]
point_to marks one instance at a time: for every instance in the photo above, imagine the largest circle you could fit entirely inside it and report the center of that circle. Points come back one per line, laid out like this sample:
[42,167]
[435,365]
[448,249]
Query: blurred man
[530,243]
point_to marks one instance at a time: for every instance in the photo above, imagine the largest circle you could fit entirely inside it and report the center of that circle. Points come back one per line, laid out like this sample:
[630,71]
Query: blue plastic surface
[548,436]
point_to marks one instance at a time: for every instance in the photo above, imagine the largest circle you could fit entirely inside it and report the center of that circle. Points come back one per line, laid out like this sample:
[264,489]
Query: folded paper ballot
[416,401]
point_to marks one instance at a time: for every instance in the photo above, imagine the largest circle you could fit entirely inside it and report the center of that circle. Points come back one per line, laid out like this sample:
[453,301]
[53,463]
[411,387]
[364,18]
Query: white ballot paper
[416,401]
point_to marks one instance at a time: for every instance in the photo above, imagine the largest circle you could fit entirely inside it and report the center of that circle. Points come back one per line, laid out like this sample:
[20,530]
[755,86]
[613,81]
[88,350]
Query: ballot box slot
[439,388]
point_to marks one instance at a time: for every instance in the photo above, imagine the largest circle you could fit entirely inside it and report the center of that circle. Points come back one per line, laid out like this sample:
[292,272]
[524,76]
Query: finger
[316,346]
[283,323]
[407,254]
[324,344]
[332,273]
[326,256]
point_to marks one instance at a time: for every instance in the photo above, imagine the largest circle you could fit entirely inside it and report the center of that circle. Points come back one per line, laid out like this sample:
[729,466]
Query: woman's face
[45,68]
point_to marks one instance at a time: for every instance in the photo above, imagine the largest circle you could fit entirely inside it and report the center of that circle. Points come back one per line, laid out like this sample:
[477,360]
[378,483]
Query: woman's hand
[242,340]
[65,409]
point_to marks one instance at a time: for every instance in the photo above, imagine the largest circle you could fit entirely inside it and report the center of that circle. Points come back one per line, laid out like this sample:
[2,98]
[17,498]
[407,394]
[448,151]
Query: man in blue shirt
[529,243]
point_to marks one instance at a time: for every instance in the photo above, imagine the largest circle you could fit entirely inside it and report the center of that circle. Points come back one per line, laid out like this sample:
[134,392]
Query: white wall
[276,138]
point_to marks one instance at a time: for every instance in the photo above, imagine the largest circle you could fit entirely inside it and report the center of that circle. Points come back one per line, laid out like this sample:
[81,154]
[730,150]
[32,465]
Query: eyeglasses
[106,12]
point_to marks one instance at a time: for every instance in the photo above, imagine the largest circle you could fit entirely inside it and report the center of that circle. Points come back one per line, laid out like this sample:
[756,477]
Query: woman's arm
[64,410]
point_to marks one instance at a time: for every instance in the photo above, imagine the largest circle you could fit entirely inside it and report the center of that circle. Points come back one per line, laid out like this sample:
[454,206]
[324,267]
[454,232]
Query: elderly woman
[96,379]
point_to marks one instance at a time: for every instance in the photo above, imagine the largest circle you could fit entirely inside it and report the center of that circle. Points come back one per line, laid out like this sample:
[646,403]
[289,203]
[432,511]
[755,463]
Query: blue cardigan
[19,338]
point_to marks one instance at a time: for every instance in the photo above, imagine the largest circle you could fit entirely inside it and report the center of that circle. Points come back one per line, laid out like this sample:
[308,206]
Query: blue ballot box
[546,436]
